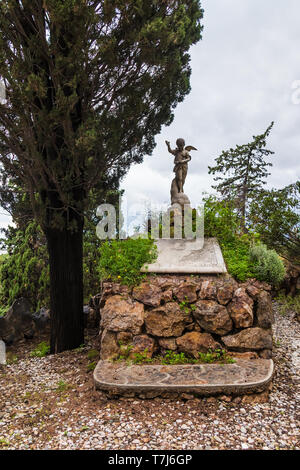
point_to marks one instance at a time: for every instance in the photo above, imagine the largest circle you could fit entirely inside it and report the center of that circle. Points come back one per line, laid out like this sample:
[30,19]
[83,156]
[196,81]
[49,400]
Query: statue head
[180,143]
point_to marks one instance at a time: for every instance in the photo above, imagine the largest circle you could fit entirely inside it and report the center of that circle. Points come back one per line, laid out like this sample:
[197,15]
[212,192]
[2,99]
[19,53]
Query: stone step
[242,377]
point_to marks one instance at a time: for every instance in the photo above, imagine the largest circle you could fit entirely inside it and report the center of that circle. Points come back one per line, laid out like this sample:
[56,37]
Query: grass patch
[62,386]
[41,350]
[11,358]
[91,366]
[93,354]
[218,356]
[287,303]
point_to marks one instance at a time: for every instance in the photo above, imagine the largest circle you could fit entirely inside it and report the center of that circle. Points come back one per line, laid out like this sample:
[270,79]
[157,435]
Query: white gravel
[37,413]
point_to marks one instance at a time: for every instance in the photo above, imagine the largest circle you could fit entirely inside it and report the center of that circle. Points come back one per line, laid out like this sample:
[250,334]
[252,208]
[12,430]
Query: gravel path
[50,403]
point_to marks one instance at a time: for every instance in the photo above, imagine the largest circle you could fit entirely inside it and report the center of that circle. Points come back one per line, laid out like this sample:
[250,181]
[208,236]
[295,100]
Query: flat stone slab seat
[188,257]
[242,377]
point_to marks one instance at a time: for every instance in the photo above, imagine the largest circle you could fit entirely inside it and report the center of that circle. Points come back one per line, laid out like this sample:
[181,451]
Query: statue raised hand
[182,158]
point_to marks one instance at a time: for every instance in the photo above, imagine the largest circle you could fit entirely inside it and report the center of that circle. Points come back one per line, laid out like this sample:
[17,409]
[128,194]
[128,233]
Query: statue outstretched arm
[169,148]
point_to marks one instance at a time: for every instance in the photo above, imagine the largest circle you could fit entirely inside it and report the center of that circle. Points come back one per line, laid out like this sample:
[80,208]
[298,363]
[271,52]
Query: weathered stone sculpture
[182,158]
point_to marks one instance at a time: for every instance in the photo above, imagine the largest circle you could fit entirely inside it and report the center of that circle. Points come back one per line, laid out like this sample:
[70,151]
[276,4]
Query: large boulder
[167,320]
[18,322]
[208,290]
[225,291]
[124,338]
[253,291]
[122,314]
[109,348]
[7,332]
[264,312]
[213,317]
[109,289]
[186,292]
[42,319]
[167,344]
[148,294]
[143,344]
[195,342]
[249,339]
[241,309]
[167,296]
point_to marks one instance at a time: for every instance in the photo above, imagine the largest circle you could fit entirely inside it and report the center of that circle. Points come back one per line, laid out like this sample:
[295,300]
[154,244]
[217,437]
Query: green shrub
[237,258]
[267,265]
[3,310]
[122,260]
[244,256]
[221,221]
[24,272]
[41,350]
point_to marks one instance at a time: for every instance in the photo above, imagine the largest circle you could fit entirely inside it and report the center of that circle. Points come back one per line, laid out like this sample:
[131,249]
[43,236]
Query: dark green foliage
[91,254]
[221,220]
[24,270]
[275,215]
[89,84]
[244,171]
[243,255]
[122,260]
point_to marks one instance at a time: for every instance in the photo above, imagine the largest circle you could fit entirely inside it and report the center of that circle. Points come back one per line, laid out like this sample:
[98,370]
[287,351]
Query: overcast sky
[243,73]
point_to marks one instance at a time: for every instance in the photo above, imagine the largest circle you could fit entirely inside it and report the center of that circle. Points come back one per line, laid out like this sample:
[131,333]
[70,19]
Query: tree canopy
[89,83]
[244,171]
[275,215]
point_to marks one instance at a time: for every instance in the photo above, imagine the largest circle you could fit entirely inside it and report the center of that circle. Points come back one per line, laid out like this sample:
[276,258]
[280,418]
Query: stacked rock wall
[187,314]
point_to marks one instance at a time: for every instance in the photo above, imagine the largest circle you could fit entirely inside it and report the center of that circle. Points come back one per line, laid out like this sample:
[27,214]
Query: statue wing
[190,147]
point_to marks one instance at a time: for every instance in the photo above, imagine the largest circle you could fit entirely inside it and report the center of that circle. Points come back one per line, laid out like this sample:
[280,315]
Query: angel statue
[182,158]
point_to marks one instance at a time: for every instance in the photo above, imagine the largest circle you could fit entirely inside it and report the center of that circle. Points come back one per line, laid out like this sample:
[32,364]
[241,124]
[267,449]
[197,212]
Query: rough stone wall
[186,314]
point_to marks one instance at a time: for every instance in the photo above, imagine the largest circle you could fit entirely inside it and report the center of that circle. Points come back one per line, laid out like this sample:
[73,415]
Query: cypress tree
[89,84]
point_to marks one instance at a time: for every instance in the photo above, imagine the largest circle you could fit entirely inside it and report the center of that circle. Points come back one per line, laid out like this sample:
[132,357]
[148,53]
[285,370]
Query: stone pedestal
[198,256]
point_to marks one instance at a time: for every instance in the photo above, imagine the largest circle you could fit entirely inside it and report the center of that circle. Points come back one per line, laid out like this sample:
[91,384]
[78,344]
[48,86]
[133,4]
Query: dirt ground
[50,403]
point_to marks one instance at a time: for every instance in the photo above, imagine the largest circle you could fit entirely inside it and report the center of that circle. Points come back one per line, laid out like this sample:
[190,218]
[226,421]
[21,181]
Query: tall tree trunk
[66,287]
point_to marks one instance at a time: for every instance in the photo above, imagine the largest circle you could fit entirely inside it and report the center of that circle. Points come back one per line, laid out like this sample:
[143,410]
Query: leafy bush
[244,256]
[221,221]
[122,260]
[275,214]
[267,266]
[237,259]
[24,272]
